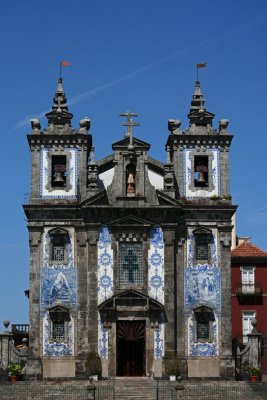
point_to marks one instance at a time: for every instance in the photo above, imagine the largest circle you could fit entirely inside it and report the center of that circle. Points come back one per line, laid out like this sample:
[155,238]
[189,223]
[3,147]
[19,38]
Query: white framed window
[247,317]
[248,279]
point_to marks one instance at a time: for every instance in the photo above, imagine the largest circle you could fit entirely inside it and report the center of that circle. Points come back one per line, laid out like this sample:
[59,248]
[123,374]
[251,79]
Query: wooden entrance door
[130,348]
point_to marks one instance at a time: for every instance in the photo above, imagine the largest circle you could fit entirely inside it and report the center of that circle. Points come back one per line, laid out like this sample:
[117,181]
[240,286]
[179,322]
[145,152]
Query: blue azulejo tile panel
[156,265]
[52,348]
[58,286]
[71,174]
[105,265]
[105,286]
[102,340]
[200,349]
[156,283]
[159,335]
[188,174]
[202,284]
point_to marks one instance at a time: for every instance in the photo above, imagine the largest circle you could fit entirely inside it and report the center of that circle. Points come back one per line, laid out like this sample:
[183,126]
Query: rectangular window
[131,264]
[58,331]
[248,279]
[247,317]
[58,247]
[201,171]
[202,247]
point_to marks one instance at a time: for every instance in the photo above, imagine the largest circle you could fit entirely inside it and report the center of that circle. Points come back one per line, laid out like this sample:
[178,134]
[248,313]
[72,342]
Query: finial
[174,125]
[129,123]
[35,123]
[85,124]
[223,124]
[6,324]
[254,324]
[59,86]
[198,113]
[59,114]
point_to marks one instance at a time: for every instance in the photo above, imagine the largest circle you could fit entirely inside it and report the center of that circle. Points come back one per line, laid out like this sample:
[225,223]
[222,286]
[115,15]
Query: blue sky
[129,55]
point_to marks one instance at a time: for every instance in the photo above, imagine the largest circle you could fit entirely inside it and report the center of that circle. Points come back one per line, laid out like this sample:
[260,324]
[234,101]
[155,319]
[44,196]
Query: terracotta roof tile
[247,249]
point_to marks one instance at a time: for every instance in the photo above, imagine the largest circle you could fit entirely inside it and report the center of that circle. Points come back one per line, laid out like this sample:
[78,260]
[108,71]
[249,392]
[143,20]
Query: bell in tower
[59,171]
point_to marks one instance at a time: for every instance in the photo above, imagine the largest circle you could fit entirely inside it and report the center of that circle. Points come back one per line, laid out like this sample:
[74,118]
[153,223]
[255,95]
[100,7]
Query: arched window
[130,180]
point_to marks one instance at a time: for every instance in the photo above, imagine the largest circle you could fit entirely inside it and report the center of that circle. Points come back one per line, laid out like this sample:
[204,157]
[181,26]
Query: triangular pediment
[130,220]
[131,293]
[99,198]
[59,308]
[202,231]
[124,143]
[58,231]
[164,199]
[131,297]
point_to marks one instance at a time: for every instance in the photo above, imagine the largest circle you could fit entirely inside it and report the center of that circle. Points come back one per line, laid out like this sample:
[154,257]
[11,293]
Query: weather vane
[63,64]
[203,65]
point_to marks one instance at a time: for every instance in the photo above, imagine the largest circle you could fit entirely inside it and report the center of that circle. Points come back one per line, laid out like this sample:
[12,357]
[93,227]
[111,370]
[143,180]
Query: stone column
[227,368]
[181,345]
[81,333]
[34,363]
[35,171]
[92,290]
[5,338]
[170,292]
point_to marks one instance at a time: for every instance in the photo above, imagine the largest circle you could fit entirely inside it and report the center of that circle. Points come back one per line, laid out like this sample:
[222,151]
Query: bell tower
[59,154]
[199,156]
[59,157]
[200,153]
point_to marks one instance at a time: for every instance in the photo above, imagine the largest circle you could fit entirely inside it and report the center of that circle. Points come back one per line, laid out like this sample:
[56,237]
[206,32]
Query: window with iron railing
[58,331]
[248,279]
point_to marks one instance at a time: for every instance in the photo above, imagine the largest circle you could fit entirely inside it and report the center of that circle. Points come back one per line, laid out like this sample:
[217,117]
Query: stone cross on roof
[129,123]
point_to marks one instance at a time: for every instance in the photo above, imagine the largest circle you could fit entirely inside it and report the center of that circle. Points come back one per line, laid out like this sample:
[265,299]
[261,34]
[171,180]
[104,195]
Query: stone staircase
[135,389]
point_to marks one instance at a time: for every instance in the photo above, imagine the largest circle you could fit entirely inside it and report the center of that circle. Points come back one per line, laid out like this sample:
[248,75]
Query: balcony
[19,331]
[249,294]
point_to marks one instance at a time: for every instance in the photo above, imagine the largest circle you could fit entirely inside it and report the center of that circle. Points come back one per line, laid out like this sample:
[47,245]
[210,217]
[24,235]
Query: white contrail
[95,91]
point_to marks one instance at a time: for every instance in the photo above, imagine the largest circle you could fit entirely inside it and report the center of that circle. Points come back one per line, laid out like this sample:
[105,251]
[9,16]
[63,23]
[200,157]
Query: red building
[249,294]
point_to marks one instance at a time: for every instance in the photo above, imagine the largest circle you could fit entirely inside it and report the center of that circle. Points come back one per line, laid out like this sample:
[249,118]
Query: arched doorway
[130,348]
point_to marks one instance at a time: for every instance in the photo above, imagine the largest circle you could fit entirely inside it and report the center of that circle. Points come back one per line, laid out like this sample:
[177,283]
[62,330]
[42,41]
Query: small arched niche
[130,180]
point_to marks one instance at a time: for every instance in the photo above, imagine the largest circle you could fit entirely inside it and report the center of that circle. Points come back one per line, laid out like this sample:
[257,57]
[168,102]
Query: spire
[59,114]
[198,115]
[198,100]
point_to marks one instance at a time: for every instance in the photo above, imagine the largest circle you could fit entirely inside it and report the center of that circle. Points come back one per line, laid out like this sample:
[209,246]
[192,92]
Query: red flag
[203,65]
[64,63]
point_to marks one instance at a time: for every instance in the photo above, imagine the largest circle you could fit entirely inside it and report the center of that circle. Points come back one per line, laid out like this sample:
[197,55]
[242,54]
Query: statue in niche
[130,183]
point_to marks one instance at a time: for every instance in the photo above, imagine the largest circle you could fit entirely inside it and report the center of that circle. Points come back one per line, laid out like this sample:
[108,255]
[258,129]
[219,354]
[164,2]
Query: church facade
[129,256]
